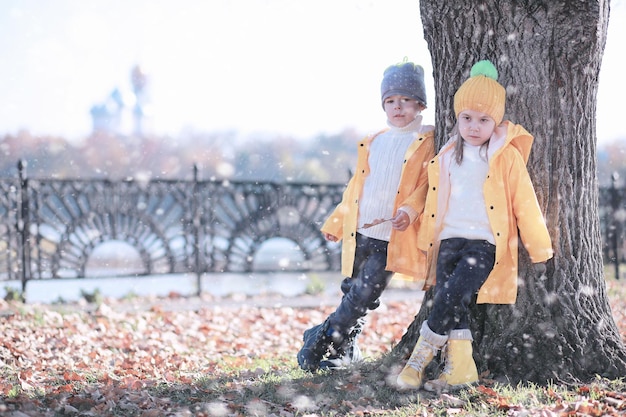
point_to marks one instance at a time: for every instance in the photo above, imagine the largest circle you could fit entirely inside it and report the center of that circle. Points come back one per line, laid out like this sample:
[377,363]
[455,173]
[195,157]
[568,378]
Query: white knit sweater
[386,157]
[466,215]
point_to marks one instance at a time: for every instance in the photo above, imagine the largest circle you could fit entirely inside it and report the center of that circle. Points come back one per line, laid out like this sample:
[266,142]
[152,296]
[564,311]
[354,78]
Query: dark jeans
[462,267]
[363,289]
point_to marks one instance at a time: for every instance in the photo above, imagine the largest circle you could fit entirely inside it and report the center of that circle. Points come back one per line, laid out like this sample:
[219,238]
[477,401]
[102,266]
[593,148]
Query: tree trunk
[548,54]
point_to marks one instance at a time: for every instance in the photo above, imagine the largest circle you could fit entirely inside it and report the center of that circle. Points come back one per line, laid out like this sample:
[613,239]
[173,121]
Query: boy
[377,218]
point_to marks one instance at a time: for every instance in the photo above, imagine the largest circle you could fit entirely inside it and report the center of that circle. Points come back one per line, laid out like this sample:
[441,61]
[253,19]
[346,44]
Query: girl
[480,195]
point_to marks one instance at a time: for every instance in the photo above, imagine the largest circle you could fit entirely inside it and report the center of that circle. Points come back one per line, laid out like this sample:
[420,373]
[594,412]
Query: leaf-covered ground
[122,359]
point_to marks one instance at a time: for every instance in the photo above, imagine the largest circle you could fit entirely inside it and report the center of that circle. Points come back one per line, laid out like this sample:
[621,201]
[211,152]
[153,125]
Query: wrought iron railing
[613,221]
[50,228]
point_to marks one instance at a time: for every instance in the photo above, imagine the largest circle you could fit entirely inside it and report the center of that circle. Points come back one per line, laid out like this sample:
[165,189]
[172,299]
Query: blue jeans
[463,265]
[363,289]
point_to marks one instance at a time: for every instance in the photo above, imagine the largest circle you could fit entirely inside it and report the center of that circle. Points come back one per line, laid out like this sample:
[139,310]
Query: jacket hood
[511,134]
[505,134]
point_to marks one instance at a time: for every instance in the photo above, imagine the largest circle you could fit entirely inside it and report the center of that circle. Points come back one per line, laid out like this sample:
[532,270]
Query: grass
[315,286]
[266,383]
[263,388]
[272,386]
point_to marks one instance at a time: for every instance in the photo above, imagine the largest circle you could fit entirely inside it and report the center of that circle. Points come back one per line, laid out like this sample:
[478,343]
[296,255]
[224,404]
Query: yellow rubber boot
[425,350]
[460,368]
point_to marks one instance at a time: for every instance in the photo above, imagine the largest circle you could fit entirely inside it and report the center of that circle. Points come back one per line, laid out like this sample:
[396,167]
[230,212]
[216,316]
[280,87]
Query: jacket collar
[505,134]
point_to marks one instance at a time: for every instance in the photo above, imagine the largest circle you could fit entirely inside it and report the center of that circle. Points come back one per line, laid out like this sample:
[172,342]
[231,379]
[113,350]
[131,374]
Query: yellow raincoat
[402,253]
[511,206]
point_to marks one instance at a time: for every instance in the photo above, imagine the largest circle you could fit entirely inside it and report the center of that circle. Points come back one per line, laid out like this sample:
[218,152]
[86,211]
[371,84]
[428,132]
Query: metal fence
[613,224]
[50,228]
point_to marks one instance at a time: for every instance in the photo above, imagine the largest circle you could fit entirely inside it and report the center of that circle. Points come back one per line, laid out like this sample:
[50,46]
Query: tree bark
[548,54]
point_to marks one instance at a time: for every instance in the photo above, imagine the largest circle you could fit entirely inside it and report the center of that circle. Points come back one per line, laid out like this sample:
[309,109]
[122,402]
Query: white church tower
[125,112]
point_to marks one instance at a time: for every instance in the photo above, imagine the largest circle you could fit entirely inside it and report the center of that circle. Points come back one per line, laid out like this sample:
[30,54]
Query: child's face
[475,127]
[402,110]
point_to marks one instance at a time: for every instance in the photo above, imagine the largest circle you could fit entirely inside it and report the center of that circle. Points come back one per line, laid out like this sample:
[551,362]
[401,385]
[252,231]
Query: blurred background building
[126,110]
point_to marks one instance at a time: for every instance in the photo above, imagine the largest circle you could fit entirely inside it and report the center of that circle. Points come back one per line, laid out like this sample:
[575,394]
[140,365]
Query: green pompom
[485,68]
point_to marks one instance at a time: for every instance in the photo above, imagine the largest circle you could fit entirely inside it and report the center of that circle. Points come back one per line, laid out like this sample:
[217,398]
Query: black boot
[317,341]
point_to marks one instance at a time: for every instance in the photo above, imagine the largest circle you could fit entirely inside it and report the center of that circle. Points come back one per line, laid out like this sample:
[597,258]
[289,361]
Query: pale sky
[297,68]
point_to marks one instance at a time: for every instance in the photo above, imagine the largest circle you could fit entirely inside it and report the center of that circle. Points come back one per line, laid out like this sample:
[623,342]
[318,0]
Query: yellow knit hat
[481,92]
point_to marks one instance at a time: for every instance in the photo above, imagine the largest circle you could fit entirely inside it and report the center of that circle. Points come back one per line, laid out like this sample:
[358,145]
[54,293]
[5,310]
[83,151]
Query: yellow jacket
[511,206]
[402,254]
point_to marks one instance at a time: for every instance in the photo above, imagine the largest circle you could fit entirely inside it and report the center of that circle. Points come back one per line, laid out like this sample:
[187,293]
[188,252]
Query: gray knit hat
[406,79]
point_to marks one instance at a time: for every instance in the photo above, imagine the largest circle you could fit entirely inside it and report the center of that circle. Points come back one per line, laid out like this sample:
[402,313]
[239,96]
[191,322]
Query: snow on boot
[345,353]
[334,362]
[460,369]
[425,350]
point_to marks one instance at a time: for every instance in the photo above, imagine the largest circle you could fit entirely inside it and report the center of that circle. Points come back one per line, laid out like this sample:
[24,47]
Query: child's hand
[329,237]
[401,221]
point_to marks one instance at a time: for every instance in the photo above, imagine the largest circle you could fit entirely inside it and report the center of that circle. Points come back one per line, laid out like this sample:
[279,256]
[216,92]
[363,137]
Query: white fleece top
[466,216]
[386,158]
